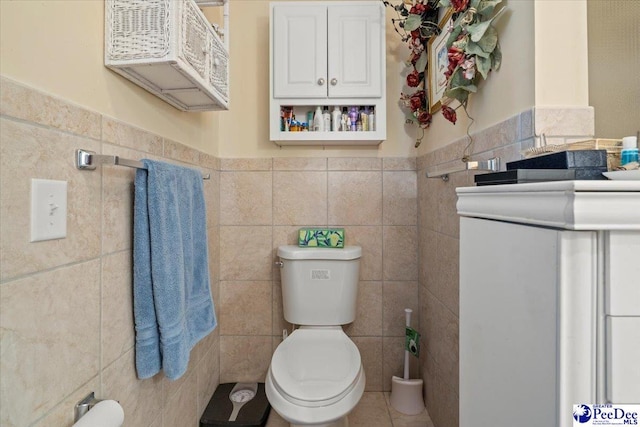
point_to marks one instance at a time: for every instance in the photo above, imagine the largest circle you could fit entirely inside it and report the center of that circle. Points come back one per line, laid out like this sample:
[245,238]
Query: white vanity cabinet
[549,300]
[327,54]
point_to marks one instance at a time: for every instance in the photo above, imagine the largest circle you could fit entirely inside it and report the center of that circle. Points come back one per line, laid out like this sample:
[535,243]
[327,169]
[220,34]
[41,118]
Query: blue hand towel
[173,308]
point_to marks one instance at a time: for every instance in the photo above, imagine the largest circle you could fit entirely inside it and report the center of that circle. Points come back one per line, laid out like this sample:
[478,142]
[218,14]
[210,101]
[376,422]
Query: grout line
[48,127]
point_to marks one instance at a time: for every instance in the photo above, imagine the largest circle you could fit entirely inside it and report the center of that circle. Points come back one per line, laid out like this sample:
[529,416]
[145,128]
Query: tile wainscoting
[438,228]
[263,202]
[65,305]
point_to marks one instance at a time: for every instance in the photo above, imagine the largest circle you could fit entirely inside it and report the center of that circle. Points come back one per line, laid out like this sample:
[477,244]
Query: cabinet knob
[320,81]
[334,81]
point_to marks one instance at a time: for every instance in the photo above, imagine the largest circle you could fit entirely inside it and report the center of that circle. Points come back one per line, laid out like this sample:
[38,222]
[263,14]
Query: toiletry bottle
[317,120]
[326,119]
[364,118]
[629,151]
[353,118]
[310,120]
[346,123]
[281,119]
[372,119]
[336,115]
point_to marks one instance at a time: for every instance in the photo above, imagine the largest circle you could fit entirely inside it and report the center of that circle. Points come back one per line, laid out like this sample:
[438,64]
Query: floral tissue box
[321,237]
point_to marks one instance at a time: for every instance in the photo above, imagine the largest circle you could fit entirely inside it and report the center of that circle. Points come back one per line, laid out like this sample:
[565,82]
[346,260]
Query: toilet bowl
[316,377]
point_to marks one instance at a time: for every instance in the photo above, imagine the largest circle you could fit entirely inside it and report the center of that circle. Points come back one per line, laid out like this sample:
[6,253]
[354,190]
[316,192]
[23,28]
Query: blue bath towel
[173,308]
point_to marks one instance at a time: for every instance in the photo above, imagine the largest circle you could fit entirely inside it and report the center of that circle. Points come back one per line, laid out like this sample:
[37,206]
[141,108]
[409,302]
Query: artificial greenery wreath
[472,51]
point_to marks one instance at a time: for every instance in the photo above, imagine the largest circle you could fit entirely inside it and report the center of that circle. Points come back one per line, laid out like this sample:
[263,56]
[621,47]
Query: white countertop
[572,205]
[585,185]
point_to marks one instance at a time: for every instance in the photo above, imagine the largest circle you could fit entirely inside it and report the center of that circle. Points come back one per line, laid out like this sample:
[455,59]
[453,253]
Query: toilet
[316,376]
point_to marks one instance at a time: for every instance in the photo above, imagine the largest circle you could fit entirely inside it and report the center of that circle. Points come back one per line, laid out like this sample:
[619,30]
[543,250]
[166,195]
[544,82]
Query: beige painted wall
[544,46]
[58,47]
[244,131]
[561,53]
[506,92]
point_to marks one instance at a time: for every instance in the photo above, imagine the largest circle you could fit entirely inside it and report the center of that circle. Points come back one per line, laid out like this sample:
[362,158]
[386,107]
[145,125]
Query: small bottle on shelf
[310,120]
[326,119]
[353,118]
[345,122]
[372,119]
[336,115]
[317,120]
[364,118]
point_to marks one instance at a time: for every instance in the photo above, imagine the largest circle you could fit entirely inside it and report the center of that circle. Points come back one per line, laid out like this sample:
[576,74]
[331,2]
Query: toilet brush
[406,394]
[407,316]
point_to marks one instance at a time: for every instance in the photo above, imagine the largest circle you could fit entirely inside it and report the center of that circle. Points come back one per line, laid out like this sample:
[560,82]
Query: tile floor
[373,410]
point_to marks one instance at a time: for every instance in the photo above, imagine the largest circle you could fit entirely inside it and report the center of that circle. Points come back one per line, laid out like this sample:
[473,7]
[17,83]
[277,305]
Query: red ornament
[413,79]
[449,114]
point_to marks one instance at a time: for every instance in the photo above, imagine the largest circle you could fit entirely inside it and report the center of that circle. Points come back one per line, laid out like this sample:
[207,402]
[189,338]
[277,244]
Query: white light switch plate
[48,209]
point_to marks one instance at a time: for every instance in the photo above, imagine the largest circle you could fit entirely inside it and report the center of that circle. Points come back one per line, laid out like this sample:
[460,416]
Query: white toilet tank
[319,285]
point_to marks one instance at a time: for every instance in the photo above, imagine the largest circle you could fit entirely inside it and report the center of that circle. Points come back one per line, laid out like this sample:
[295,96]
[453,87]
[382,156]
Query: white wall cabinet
[549,300]
[327,51]
[329,55]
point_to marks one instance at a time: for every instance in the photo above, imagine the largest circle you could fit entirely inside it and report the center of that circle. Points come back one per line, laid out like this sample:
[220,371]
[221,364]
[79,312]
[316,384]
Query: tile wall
[438,225]
[263,202]
[65,305]
[66,323]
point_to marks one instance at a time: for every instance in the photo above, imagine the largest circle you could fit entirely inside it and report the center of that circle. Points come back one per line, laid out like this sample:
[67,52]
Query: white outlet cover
[48,209]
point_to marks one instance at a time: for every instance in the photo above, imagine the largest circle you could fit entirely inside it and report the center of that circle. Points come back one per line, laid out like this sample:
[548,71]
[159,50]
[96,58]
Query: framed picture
[438,63]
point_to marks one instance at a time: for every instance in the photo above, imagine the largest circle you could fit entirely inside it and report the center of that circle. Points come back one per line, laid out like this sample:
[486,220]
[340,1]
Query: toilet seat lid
[315,365]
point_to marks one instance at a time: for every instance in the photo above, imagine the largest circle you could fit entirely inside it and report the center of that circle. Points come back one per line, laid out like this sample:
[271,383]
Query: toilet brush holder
[406,395]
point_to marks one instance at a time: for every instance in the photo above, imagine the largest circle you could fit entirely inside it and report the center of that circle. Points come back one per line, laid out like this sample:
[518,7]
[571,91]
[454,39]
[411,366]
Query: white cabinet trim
[572,205]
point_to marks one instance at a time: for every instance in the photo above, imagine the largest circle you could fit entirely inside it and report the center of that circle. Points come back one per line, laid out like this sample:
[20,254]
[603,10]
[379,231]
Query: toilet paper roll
[107,413]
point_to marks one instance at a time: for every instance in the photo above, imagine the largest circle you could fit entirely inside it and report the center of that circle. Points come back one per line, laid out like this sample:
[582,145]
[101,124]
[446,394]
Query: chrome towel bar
[88,160]
[491,165]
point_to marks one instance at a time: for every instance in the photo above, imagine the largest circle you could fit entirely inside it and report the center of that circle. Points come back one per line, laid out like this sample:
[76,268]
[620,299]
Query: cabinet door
[622,273]
[526,323]
[355,50]
[623,354]
[622,298]
[508,317]
[299,51]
